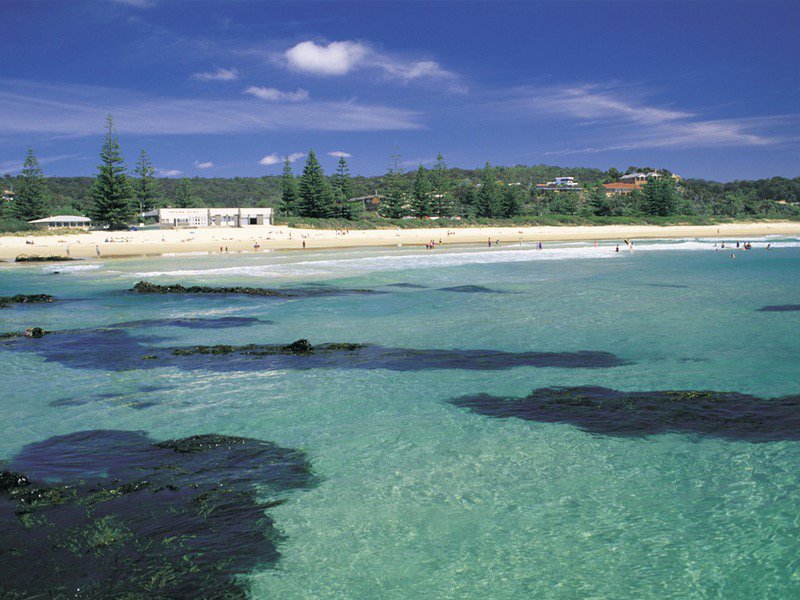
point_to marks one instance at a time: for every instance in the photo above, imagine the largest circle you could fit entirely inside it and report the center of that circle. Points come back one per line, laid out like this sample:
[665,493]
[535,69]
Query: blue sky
[227,89]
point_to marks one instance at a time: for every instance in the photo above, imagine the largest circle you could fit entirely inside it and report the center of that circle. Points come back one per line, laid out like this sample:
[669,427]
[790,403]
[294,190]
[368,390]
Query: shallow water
[417,496]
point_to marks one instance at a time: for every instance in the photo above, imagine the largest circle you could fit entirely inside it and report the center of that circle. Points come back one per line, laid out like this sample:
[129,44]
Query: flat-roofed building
[214,217]
[60,221]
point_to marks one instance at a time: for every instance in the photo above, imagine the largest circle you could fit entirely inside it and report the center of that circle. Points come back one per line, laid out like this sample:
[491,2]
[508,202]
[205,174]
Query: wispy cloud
[218,74]
[339,154]
[270,159]
[137,3]
[13,166]
[343,57]
[169,172]
[275,95]
[416,162]
[76,110]
[203,165]
[621,118]
[295,156]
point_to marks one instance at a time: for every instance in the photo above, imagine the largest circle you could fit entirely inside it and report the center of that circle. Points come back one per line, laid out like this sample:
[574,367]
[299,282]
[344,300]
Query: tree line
[113,197]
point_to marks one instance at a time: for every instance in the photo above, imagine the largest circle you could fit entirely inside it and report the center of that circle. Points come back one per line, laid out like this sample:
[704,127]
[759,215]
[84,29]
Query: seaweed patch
[113,514]
[728,415]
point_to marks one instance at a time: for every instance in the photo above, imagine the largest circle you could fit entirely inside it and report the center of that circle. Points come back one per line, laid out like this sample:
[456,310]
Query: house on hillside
[621,189]
[560,184]
[8,195]
[371,202]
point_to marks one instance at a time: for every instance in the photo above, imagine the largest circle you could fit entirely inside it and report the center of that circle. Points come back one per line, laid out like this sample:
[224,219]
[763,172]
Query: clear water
[419,498]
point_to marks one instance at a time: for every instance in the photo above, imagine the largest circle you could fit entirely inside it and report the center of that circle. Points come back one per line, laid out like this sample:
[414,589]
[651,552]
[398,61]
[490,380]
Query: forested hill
[75,192]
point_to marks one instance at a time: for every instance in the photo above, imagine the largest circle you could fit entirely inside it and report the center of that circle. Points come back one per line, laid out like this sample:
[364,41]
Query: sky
[226,89]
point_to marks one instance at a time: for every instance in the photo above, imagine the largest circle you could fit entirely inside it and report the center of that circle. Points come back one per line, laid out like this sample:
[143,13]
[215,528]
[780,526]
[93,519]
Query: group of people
[432,244]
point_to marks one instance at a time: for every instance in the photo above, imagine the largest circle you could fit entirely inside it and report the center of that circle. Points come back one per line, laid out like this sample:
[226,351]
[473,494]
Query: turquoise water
[419,498]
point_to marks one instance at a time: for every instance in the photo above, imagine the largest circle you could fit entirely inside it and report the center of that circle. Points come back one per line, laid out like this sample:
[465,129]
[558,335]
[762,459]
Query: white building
[214,217]
[563,182]
[62,221]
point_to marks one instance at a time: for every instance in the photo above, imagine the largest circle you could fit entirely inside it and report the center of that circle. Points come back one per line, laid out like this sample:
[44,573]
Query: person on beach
[617,249]
[540,246]
[490,242]
[97,249]
[304,244]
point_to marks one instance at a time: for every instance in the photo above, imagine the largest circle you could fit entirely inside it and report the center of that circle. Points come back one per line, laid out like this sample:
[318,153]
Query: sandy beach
[233,240]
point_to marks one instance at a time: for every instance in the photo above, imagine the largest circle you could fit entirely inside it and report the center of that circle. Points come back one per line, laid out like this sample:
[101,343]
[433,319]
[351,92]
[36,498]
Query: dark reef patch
[110,514]
[117,350]
[145,287]
[411,286]
[6,301]
[129,399]
[605,411]
[780,308]
[471,289]
[668,285]
[195,323]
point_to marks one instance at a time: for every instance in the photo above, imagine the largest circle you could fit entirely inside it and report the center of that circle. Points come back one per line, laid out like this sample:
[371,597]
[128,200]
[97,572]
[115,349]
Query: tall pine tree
[394,196]
[111,189]
[184,194]
[145,187]
[421,194]
[289,196]
[440,189]
[30,201]
[487,201]
[660,196]
[316,195]
[342,191]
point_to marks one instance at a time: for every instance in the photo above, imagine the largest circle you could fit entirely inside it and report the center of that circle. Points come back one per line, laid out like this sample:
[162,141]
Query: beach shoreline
[143,243]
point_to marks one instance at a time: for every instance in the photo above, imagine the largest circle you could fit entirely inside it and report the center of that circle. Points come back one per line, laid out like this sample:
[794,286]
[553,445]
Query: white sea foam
[72,268]
[368,260]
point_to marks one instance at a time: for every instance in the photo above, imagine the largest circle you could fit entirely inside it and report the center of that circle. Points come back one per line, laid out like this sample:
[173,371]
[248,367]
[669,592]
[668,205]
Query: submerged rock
[111,514]
[299,347]
[601,410]
[34,332]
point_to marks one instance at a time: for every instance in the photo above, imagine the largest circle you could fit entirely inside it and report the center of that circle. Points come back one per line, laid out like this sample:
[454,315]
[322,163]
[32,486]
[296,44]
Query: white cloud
[341,58]
[336,58]
[203,165]
[219,74]
[339,154]
[77,110]
[169,172]
[295,156]
[275,95]
[270,159]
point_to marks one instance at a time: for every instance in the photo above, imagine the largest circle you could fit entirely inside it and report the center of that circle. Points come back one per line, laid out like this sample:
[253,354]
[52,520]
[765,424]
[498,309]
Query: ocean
[471,422]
